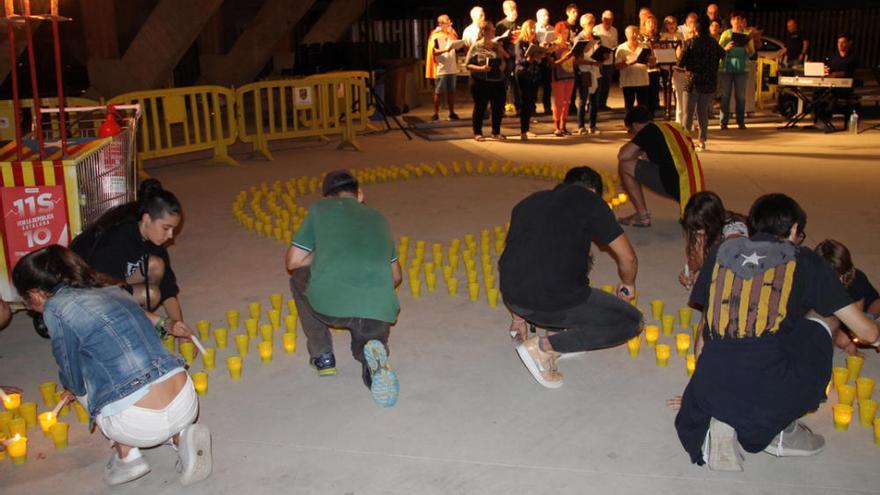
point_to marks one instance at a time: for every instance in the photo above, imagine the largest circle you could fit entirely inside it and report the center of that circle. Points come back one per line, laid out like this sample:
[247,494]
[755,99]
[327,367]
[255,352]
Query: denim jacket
[104,344]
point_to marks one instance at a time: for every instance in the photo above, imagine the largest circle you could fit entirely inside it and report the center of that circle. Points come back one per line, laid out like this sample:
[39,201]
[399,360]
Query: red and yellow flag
[687,163]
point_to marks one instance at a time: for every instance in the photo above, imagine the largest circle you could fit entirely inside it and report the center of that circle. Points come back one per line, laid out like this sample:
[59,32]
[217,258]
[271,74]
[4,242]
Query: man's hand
[519,329]
[626,292]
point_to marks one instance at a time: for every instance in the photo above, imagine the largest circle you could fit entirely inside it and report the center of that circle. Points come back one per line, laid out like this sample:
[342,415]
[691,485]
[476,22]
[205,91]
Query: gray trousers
[315,325]
[700,103]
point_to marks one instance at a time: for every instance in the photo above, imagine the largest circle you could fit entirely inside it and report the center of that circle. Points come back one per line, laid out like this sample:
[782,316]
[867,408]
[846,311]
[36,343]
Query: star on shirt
[752,259]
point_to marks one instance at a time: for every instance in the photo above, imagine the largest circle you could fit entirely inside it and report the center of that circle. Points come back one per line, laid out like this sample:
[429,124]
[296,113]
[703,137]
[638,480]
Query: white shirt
[634,75]
[445,63]
[471,35]
[592,69]
[609,39]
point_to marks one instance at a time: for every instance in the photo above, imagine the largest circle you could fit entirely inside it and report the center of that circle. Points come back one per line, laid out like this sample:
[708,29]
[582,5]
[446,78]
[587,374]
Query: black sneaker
[723,127]
[453,116]
[325,364]
[435,118]
[741,127]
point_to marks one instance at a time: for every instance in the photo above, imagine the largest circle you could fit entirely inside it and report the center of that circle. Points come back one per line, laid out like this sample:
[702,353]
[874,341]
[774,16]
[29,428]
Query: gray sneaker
[195,462]
[800,442]
[118,471]
[723,448]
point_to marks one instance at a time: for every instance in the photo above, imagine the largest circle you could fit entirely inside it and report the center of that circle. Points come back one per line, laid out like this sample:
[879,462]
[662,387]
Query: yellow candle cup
[59,432]
[241,343]
[690,362]
[288,339]
[17,426]
[684,317]
[662,352]
[846,394]
[291,306]
[265,350]
[668,324]
[867,411]
[267,332]
[839,376]
[608,288]
[204,328]
[864,388]
[877,431]
[682,342]
[492,296]
[234,365]
[452,286]
[200,382]
[65,410]
[251,325]
[854,365]
[474,291]
[276,300]
[275,318]
[657,309]
[232,319]
[188,351]
[28,412]
[431,281]
[652,333]
[208,358]
[415,287]
[842,416]
[81,414]
[12,402]
[5,418]
[254,309]
[220,337]
[290,323]
[47,391]
[17,449]
[168,342]
[47,419]
[633,345]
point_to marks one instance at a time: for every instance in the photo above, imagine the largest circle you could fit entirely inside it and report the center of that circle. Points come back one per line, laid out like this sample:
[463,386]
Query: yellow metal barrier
[185,120]
[7,116]
[315,106]
[766,68]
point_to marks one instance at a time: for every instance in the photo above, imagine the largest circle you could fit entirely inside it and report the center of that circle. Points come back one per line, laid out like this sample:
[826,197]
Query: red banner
[33,218]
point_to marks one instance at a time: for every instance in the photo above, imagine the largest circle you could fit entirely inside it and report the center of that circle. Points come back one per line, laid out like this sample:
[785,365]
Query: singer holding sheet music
[485,61]
[528,74]
[631,59]
[589,73]
[562,65]
[739,45]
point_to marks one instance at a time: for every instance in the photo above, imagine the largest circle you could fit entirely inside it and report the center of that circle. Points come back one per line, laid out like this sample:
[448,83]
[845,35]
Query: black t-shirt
[502,27]
[814,285]
[861,288]
[794,44]
[650,139]
[544,266]
[847,65]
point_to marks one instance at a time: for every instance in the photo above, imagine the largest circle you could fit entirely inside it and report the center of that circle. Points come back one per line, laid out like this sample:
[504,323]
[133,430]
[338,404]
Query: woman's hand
[66,397]
[519,329]
[626,292]
[729,46]
[9,389]
[179,329]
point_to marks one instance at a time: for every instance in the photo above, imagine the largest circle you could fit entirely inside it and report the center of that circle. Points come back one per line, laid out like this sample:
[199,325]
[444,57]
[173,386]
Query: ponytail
[155,201]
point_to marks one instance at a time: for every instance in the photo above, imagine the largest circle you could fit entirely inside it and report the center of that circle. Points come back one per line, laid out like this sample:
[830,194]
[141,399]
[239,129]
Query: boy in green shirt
[735,69]
[344,269]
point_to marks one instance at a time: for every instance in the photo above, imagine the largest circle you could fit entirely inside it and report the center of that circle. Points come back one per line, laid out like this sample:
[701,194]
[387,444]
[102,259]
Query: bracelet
[161,325]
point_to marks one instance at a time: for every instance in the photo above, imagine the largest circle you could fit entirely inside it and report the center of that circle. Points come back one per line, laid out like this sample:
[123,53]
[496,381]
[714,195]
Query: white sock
[133,454]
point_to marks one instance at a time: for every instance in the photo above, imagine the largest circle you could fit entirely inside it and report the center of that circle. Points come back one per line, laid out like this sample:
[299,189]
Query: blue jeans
[735,81]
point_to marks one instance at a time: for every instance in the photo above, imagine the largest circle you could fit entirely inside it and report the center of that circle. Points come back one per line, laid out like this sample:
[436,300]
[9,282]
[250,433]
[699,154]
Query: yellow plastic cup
[251,325]
[854,365]
[168,342]
[452,286]
[200,382]
[234,365]
[690,362]
[684,317]
[47,419]
[657,309]
[492,296]
[81,414]
[276,300]
[652,333]
[241,343]
[208,358]
[668,322]
[17,450]
[59,432]
[65,410]
[28,411]
[634,345]
[864,388]
[265,350]
[188,350]
[682,342]
[288,339]
[867,411]
[254,309]
[877,431]
[839,376]
[12,402]
[204,328]
[291,307]
[431,281]
[608,288]
[220,337]
[842,416]
[290,323]
[474,291]
[47,391]
[17,426]
[232,319]
[662,351]
[415,287]
[267,333]
[275,318]
[5,418]
[846,394]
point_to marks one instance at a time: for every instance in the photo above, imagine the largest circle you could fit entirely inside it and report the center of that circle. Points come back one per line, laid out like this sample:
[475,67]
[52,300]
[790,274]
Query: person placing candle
[134,389]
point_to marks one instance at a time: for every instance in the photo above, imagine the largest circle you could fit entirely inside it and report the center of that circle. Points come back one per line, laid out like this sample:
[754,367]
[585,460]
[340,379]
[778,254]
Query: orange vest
[687,163]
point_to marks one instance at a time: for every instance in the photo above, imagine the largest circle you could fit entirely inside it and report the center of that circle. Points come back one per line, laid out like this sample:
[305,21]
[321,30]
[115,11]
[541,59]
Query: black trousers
[485,93]
[607,72]
[633,93]
[528,91]
[546,88]
[653,99]
[315,325]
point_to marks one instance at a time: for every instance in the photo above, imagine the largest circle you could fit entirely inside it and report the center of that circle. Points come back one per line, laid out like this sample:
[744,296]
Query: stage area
[470,418]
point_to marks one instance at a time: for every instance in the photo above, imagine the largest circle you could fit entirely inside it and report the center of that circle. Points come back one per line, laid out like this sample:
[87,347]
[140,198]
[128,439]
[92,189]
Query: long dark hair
[837,254]
[703,211]
[46,268]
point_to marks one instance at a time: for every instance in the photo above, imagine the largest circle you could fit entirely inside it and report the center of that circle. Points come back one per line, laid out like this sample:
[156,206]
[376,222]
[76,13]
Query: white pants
[141,427]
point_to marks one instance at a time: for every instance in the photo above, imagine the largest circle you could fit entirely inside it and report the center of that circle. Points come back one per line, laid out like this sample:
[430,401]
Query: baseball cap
[337,179]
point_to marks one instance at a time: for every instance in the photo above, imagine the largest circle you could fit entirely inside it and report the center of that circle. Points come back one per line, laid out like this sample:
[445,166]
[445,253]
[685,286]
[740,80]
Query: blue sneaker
[325,363]
[383,382]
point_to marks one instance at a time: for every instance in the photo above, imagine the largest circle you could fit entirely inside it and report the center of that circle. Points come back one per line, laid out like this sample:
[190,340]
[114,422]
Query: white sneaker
[565,356]
[724,452]
[800,442]
[195,461]
[118,471]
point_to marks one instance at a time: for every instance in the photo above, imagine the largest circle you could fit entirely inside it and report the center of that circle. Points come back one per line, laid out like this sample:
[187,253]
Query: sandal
[636,220]
[479,138]
[558,133]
